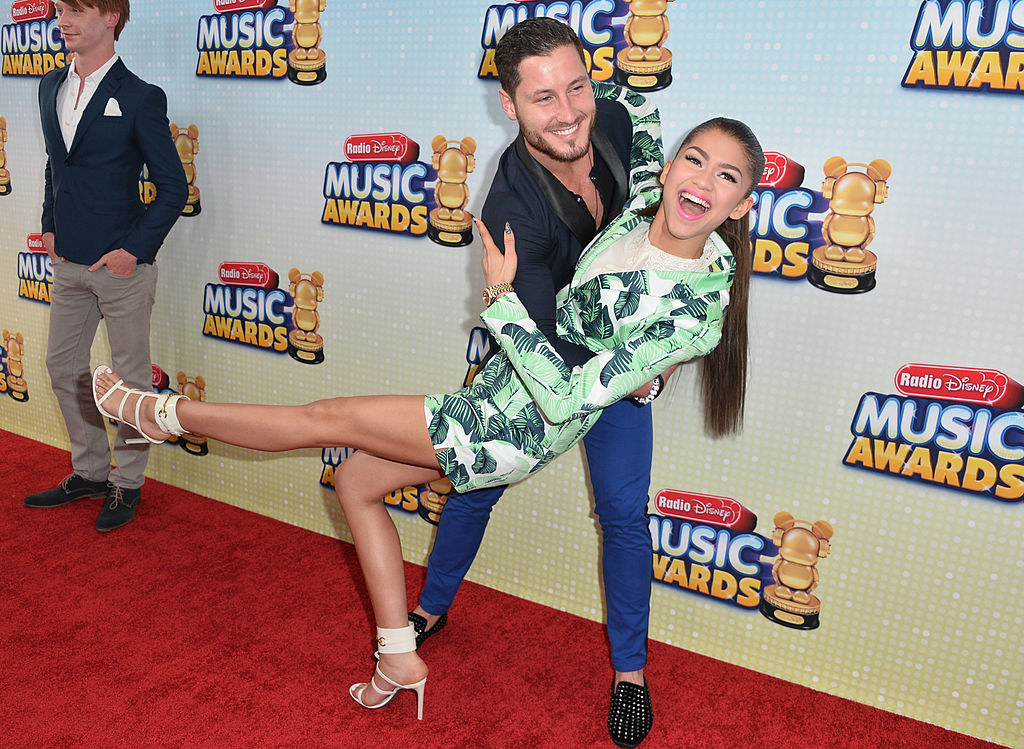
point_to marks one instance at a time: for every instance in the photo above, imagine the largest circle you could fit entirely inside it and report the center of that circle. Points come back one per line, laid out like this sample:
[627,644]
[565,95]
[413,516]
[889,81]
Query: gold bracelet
[494,291]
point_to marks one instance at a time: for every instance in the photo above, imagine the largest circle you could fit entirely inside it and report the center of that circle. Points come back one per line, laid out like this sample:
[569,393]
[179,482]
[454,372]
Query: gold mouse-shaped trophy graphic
[644,64]
[193,388]
[789,600]
[432,499]
[450,223]
[186,141]
[5,175]
[304,343]
[843,264]
[307,63]
[17,387]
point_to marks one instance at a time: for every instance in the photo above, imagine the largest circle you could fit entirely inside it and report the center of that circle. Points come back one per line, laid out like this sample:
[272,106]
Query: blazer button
[67,162]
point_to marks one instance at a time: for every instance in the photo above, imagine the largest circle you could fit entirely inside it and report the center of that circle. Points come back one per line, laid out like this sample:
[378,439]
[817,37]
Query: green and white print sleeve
[647,154]
[665,334]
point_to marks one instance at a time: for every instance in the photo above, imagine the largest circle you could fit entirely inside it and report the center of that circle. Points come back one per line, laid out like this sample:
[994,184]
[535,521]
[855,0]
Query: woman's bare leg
[398,452]
[360,482]
[389,426]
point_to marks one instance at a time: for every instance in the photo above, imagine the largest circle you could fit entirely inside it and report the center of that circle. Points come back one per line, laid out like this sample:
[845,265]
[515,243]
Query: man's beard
[536,139]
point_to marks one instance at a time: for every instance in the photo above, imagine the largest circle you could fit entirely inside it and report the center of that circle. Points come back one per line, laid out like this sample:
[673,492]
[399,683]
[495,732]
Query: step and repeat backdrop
[862,536]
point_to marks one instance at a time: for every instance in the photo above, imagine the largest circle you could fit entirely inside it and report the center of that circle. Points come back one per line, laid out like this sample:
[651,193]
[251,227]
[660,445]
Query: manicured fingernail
[508,229]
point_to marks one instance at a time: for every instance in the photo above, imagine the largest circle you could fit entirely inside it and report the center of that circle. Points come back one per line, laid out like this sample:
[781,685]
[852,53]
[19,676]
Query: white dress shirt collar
[94,78]
[70,105]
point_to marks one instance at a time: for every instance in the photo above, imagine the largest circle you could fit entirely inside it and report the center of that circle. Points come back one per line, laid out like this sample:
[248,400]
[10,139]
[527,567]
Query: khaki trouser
[80,299]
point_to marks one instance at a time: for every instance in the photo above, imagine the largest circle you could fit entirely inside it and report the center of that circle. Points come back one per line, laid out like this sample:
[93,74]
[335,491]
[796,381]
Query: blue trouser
[618,451]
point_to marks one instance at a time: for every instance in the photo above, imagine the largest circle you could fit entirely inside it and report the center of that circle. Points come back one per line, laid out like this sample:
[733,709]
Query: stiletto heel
[418,688]
[402,640]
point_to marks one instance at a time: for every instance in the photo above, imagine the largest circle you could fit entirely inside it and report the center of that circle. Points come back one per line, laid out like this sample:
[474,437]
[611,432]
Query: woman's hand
[644,390]
[498,268]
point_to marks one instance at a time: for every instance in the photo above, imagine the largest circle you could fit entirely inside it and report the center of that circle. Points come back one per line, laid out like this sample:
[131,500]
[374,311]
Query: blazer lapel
[604,147]
[50,120]
[108,87]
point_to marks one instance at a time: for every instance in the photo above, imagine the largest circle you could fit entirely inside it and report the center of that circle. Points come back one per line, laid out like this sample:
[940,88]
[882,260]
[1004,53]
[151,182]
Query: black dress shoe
[119,509]
[630,715]
[419,623]
[71,488]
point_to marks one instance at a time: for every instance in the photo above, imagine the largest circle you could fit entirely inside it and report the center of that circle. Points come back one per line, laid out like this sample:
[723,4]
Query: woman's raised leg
[393,427]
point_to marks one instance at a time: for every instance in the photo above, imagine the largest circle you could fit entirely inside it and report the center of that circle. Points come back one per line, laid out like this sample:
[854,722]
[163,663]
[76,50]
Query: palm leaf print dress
[526,406]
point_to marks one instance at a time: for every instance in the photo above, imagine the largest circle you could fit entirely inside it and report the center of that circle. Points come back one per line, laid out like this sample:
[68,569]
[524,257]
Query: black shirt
[551,224]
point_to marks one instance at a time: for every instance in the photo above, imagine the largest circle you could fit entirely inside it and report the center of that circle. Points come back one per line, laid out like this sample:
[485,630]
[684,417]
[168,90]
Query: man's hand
[498,268]
[120,262]
[48,241]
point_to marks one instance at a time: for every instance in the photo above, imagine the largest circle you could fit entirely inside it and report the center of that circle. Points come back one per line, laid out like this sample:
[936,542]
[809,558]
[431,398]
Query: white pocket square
[112,109]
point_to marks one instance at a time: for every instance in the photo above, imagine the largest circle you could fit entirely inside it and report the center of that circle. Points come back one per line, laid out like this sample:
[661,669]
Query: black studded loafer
[119,509]
[71,488]
[630,715]
[419,623]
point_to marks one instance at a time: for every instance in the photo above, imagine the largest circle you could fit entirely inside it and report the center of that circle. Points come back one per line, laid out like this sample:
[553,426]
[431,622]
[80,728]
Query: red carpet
[201,624]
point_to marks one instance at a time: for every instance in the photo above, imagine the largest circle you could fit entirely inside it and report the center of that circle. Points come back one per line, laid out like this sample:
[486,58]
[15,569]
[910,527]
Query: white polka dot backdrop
[920,594]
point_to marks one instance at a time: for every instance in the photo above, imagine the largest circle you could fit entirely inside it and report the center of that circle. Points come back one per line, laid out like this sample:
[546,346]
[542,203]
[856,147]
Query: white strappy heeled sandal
[164,408]
[402,640]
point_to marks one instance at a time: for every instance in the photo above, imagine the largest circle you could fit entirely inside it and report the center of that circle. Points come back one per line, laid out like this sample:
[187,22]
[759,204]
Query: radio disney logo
[705,544]
[258,275]
[705,508]
[955,427]
[382,147]
[31,10]
[782,232]
[984,386]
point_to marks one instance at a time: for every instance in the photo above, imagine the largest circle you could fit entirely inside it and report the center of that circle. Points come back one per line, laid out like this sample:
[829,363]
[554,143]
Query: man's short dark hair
[529,38]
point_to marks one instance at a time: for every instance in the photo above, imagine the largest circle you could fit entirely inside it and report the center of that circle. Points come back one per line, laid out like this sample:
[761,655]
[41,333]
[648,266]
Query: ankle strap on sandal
[165,411]
[401,640]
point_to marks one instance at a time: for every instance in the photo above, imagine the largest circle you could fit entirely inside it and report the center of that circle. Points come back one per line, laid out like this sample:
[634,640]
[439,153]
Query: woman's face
[707,182]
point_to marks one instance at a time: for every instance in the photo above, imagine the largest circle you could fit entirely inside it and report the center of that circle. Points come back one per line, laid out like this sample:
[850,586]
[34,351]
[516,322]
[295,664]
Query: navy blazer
[91,194]
[547,247]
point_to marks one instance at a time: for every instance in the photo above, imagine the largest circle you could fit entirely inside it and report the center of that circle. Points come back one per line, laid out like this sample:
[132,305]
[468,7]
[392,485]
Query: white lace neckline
[634,251]
[653,258]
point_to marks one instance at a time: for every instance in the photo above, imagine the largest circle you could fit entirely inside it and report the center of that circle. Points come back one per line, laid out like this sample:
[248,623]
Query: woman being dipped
[651,291]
